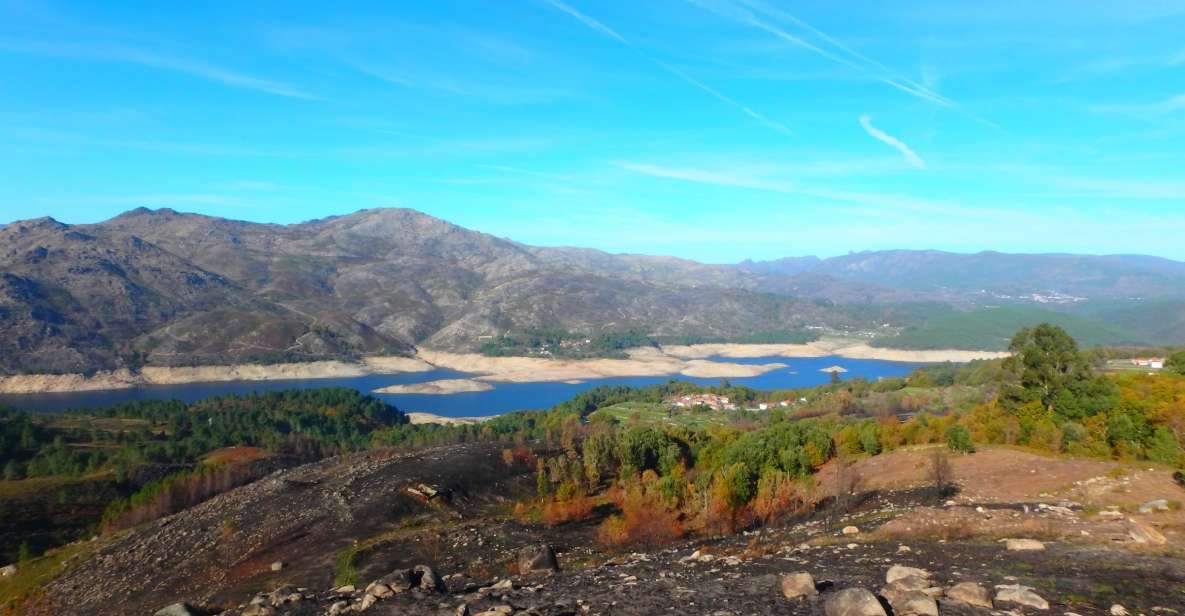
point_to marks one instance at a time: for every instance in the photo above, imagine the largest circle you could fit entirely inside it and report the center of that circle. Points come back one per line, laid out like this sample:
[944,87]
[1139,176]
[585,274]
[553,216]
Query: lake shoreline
[686,360]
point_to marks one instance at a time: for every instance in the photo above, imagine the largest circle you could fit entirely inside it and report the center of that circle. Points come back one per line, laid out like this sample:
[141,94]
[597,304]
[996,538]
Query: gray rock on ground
[897,572]
[1015,594]
[799,585]
[1023,545]
[914,603]
[537,558]
[969,593]
[853,602]
[176,609]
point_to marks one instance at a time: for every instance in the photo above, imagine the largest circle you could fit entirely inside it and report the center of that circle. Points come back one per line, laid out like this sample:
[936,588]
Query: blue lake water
[505,397]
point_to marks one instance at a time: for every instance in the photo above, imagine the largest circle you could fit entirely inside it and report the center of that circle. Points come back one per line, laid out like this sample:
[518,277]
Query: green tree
[958,439]
[1176,363]
[1046,366]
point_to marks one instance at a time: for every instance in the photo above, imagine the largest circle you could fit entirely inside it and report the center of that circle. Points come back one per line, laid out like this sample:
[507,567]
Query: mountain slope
[167,288]
[1096,277]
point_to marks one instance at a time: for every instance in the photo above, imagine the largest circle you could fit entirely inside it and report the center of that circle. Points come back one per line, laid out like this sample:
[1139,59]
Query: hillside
[995,274]
[992,328]
[162,288]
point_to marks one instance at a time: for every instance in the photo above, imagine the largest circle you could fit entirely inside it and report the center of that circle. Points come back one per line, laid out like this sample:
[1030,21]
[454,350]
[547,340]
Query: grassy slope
[992,328]
[656,414]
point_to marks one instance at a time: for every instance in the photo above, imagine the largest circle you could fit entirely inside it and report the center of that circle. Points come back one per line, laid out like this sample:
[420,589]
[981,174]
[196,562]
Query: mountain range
[160,287]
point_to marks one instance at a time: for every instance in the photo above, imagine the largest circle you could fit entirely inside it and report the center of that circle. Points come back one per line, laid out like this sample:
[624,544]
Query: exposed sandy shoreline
[443,386]
[839,347]
[687,361]
[156,375]
[430,418]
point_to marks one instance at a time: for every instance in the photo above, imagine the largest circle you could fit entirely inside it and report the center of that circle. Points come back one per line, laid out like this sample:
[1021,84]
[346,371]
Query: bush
[958,439]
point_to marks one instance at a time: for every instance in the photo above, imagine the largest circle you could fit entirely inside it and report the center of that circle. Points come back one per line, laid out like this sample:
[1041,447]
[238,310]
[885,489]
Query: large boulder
[537,558]
[853,602]
[969,593]
[176,609]
[1142,532]
[896,572]
[1017,595]
[799,586]
[913,603]
[426,578]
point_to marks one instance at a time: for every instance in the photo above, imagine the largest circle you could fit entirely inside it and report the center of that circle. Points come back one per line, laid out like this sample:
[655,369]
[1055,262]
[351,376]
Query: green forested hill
[992,328]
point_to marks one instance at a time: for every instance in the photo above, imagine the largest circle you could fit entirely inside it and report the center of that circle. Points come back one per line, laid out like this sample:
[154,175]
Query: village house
[712,401]
[1154,363]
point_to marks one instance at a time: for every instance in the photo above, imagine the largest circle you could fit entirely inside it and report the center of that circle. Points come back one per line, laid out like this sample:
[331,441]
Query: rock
[7,571]
[914,603]
[799,585]
[338,608]
[896,572]
[537,558]
[1141,532]
[903,549]
[345,590]
[367,601]
[258,610]
[853,602]
[1023,545]
[378,590]
[397,581]
[1119,610]
[277,566]
[284,594]
[177,609]
[1015,594]
[427,579]
[904,584]
[969,593]
[851,530]
[1159,504]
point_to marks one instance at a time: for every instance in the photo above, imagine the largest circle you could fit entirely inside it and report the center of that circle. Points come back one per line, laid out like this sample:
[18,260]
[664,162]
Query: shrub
[958,439]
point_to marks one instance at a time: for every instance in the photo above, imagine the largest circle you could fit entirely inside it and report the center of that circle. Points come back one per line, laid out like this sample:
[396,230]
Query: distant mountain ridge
[1089,276]
[161,287]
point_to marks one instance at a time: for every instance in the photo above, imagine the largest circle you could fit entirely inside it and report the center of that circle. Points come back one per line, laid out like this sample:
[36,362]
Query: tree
[958,439]
[1046,366]
[1176,363]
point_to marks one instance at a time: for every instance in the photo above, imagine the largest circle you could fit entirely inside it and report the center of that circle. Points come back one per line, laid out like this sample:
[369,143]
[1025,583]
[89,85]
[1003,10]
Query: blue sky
[710,129]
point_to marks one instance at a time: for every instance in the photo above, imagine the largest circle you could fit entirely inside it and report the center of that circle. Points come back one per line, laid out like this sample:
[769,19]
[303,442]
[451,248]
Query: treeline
[309,424]
[574,345]
[667,482]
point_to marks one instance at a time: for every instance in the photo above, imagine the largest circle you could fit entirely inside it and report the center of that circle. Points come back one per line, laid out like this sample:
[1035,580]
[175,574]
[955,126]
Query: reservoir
[503,398]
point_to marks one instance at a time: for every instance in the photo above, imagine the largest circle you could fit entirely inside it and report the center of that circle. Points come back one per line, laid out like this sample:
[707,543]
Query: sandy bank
[443,386]
[156,375]
[851,349]
[429,418]
[641,362]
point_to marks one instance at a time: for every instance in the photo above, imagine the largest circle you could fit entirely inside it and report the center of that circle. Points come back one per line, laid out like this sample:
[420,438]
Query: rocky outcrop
[1016,595]
[853,602]
[537,559]
[799,585]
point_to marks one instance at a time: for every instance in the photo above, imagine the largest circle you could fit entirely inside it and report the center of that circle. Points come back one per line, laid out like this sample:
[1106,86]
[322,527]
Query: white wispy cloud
[1168,105]
[724,98]
[744,179]
[702,176]
[910,156]
[827,47]
[1121,189]
[153,59]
